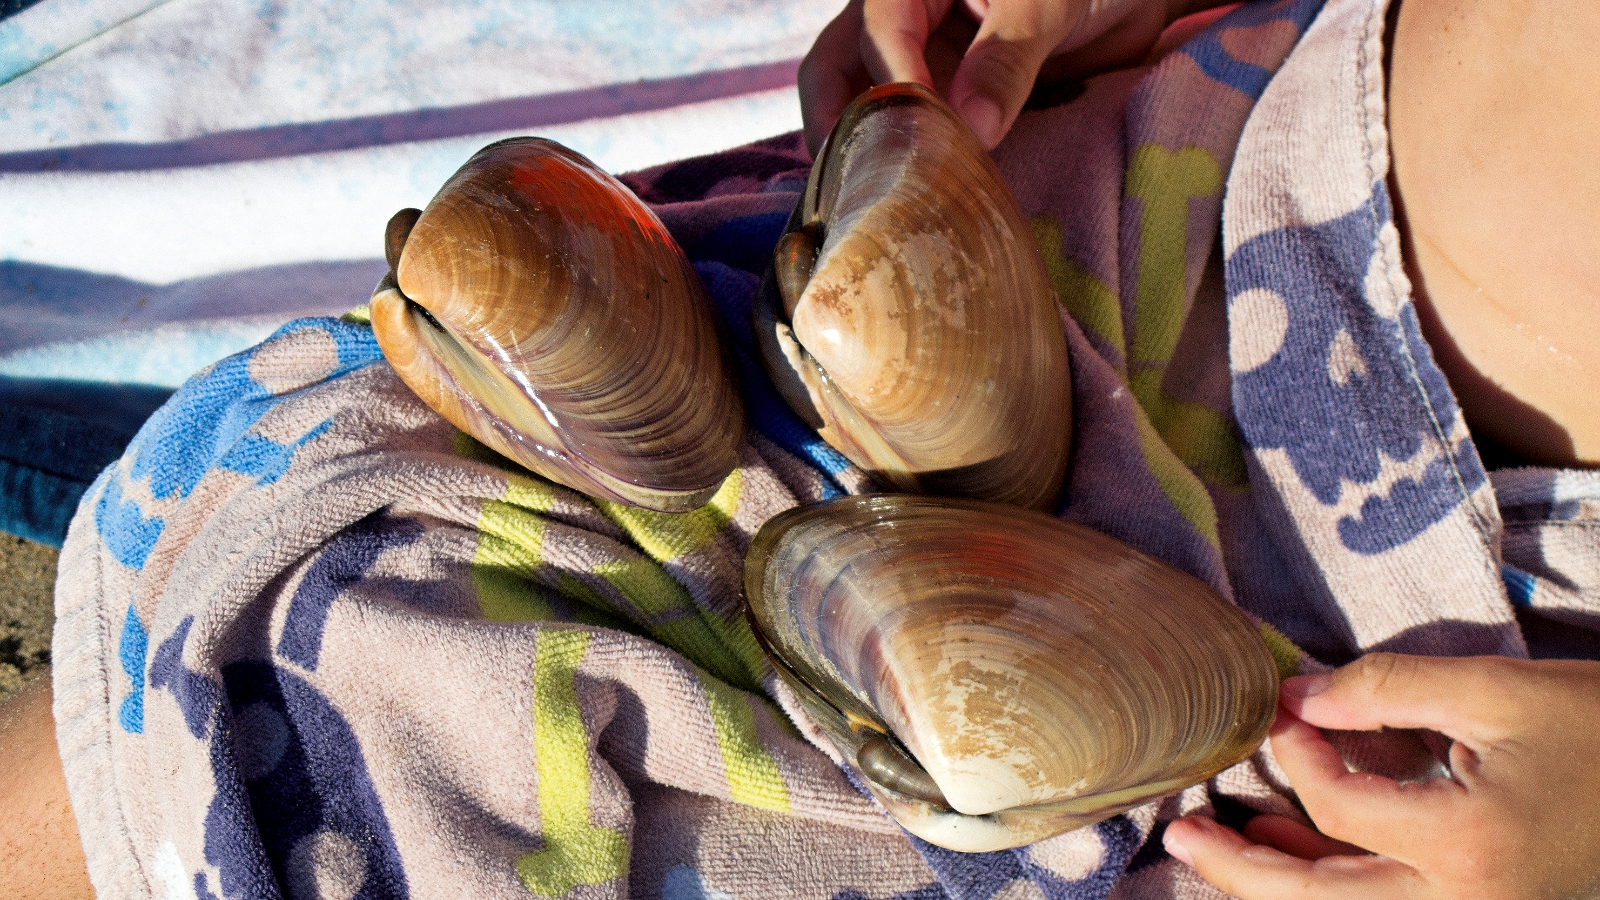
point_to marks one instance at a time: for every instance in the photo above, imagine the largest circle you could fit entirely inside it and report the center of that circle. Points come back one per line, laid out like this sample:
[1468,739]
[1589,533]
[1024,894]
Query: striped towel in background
[311,641]
[181,177]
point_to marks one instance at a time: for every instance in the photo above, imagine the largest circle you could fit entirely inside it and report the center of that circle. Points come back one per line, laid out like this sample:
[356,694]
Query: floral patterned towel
[313,642]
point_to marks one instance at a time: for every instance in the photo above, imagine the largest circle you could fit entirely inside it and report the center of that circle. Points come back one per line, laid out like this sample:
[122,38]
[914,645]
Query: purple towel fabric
[312,642]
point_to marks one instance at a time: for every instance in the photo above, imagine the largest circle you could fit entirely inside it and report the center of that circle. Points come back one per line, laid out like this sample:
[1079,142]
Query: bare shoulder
[1494,114]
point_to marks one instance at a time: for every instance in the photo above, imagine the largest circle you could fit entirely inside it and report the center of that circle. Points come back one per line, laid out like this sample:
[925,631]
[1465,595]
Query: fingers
[869,42]
[1486,832]
[1396,820]
[999,70]
[991,67]
[1462,698]
[832,74]
[895,35]
[1248,870]
[1296,839]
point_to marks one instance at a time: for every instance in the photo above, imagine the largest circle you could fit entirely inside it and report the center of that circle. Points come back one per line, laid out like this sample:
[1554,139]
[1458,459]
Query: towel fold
[312,640]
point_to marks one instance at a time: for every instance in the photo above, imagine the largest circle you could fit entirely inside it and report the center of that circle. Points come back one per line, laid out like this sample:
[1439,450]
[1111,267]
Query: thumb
[1463,698]
[999,69]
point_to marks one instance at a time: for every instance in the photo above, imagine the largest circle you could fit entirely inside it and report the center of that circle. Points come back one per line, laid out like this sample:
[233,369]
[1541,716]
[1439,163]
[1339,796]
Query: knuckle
[1332,819]
[1006,67]
[1382,672]
[1038,26]
[892,20]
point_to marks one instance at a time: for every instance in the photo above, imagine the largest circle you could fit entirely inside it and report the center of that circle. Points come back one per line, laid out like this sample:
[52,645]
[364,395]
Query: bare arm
[40,855]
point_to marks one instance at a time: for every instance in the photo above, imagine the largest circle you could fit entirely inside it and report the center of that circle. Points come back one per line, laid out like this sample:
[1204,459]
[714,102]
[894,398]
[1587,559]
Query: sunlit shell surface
[909,316]
[540,307]
[1000,676]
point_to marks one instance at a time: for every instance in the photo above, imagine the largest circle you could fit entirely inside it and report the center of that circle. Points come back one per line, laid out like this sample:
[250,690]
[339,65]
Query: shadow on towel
[55,438]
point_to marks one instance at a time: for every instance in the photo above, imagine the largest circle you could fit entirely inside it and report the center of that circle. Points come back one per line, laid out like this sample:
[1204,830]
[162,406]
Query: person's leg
[40,855]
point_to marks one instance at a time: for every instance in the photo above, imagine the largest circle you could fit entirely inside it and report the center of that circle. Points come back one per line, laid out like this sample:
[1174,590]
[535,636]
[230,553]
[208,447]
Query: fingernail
[1177,850]
[983,115]
[1304,686]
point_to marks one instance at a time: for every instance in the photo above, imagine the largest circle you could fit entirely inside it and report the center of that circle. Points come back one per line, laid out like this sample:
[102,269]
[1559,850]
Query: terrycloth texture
[47,460]
[238,160]
[1362,465]
[311,641]
[195,173]
[1355,434]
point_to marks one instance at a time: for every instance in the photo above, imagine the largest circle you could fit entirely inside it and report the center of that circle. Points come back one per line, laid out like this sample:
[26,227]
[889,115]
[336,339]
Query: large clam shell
[998,675]
[542,308]
[909,316]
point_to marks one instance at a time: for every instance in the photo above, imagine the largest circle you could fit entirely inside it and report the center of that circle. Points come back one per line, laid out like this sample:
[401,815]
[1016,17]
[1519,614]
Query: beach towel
[312,641]
[182,177]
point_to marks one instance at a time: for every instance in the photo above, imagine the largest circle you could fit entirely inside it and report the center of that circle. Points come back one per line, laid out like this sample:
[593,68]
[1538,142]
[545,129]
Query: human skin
[1494,171]
[40,855]
[1493,127]
[1493,122]
[1516,819]
[983,56]
[1494,117]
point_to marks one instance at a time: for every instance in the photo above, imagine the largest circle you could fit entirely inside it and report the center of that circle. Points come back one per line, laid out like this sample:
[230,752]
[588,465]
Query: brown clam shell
[542,308]
[909,315]
[998,675]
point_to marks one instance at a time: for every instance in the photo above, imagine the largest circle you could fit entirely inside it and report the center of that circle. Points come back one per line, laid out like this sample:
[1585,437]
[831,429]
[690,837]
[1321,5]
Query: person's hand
[982,55]
[1519,819]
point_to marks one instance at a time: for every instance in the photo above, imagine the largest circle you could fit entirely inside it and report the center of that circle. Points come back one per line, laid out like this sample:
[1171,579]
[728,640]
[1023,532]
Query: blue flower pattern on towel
[982,876]
[341,564]
[314,807]
[131,652]
[1337,431]
[207,424]
[285,739]
[197,696]
[221,404]
[293,797]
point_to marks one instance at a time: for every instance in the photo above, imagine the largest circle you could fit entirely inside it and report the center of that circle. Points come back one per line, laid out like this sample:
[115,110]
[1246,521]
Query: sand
[27,585]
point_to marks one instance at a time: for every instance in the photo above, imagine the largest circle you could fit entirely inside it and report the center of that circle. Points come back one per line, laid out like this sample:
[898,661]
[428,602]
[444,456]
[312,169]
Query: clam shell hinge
[542,308]
[909,316]
[998,675]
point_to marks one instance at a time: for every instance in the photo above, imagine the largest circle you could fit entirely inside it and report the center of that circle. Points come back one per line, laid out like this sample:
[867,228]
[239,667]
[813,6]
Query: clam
[542,308]
[999,676]
[909,316]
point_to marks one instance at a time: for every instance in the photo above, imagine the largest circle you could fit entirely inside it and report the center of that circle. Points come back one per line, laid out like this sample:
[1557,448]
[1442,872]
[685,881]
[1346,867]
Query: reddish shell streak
[565,329]
[538,178]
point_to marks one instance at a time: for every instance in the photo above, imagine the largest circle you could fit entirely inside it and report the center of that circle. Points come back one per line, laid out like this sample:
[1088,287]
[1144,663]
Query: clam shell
[542,308]
[998,675]
[909,315]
